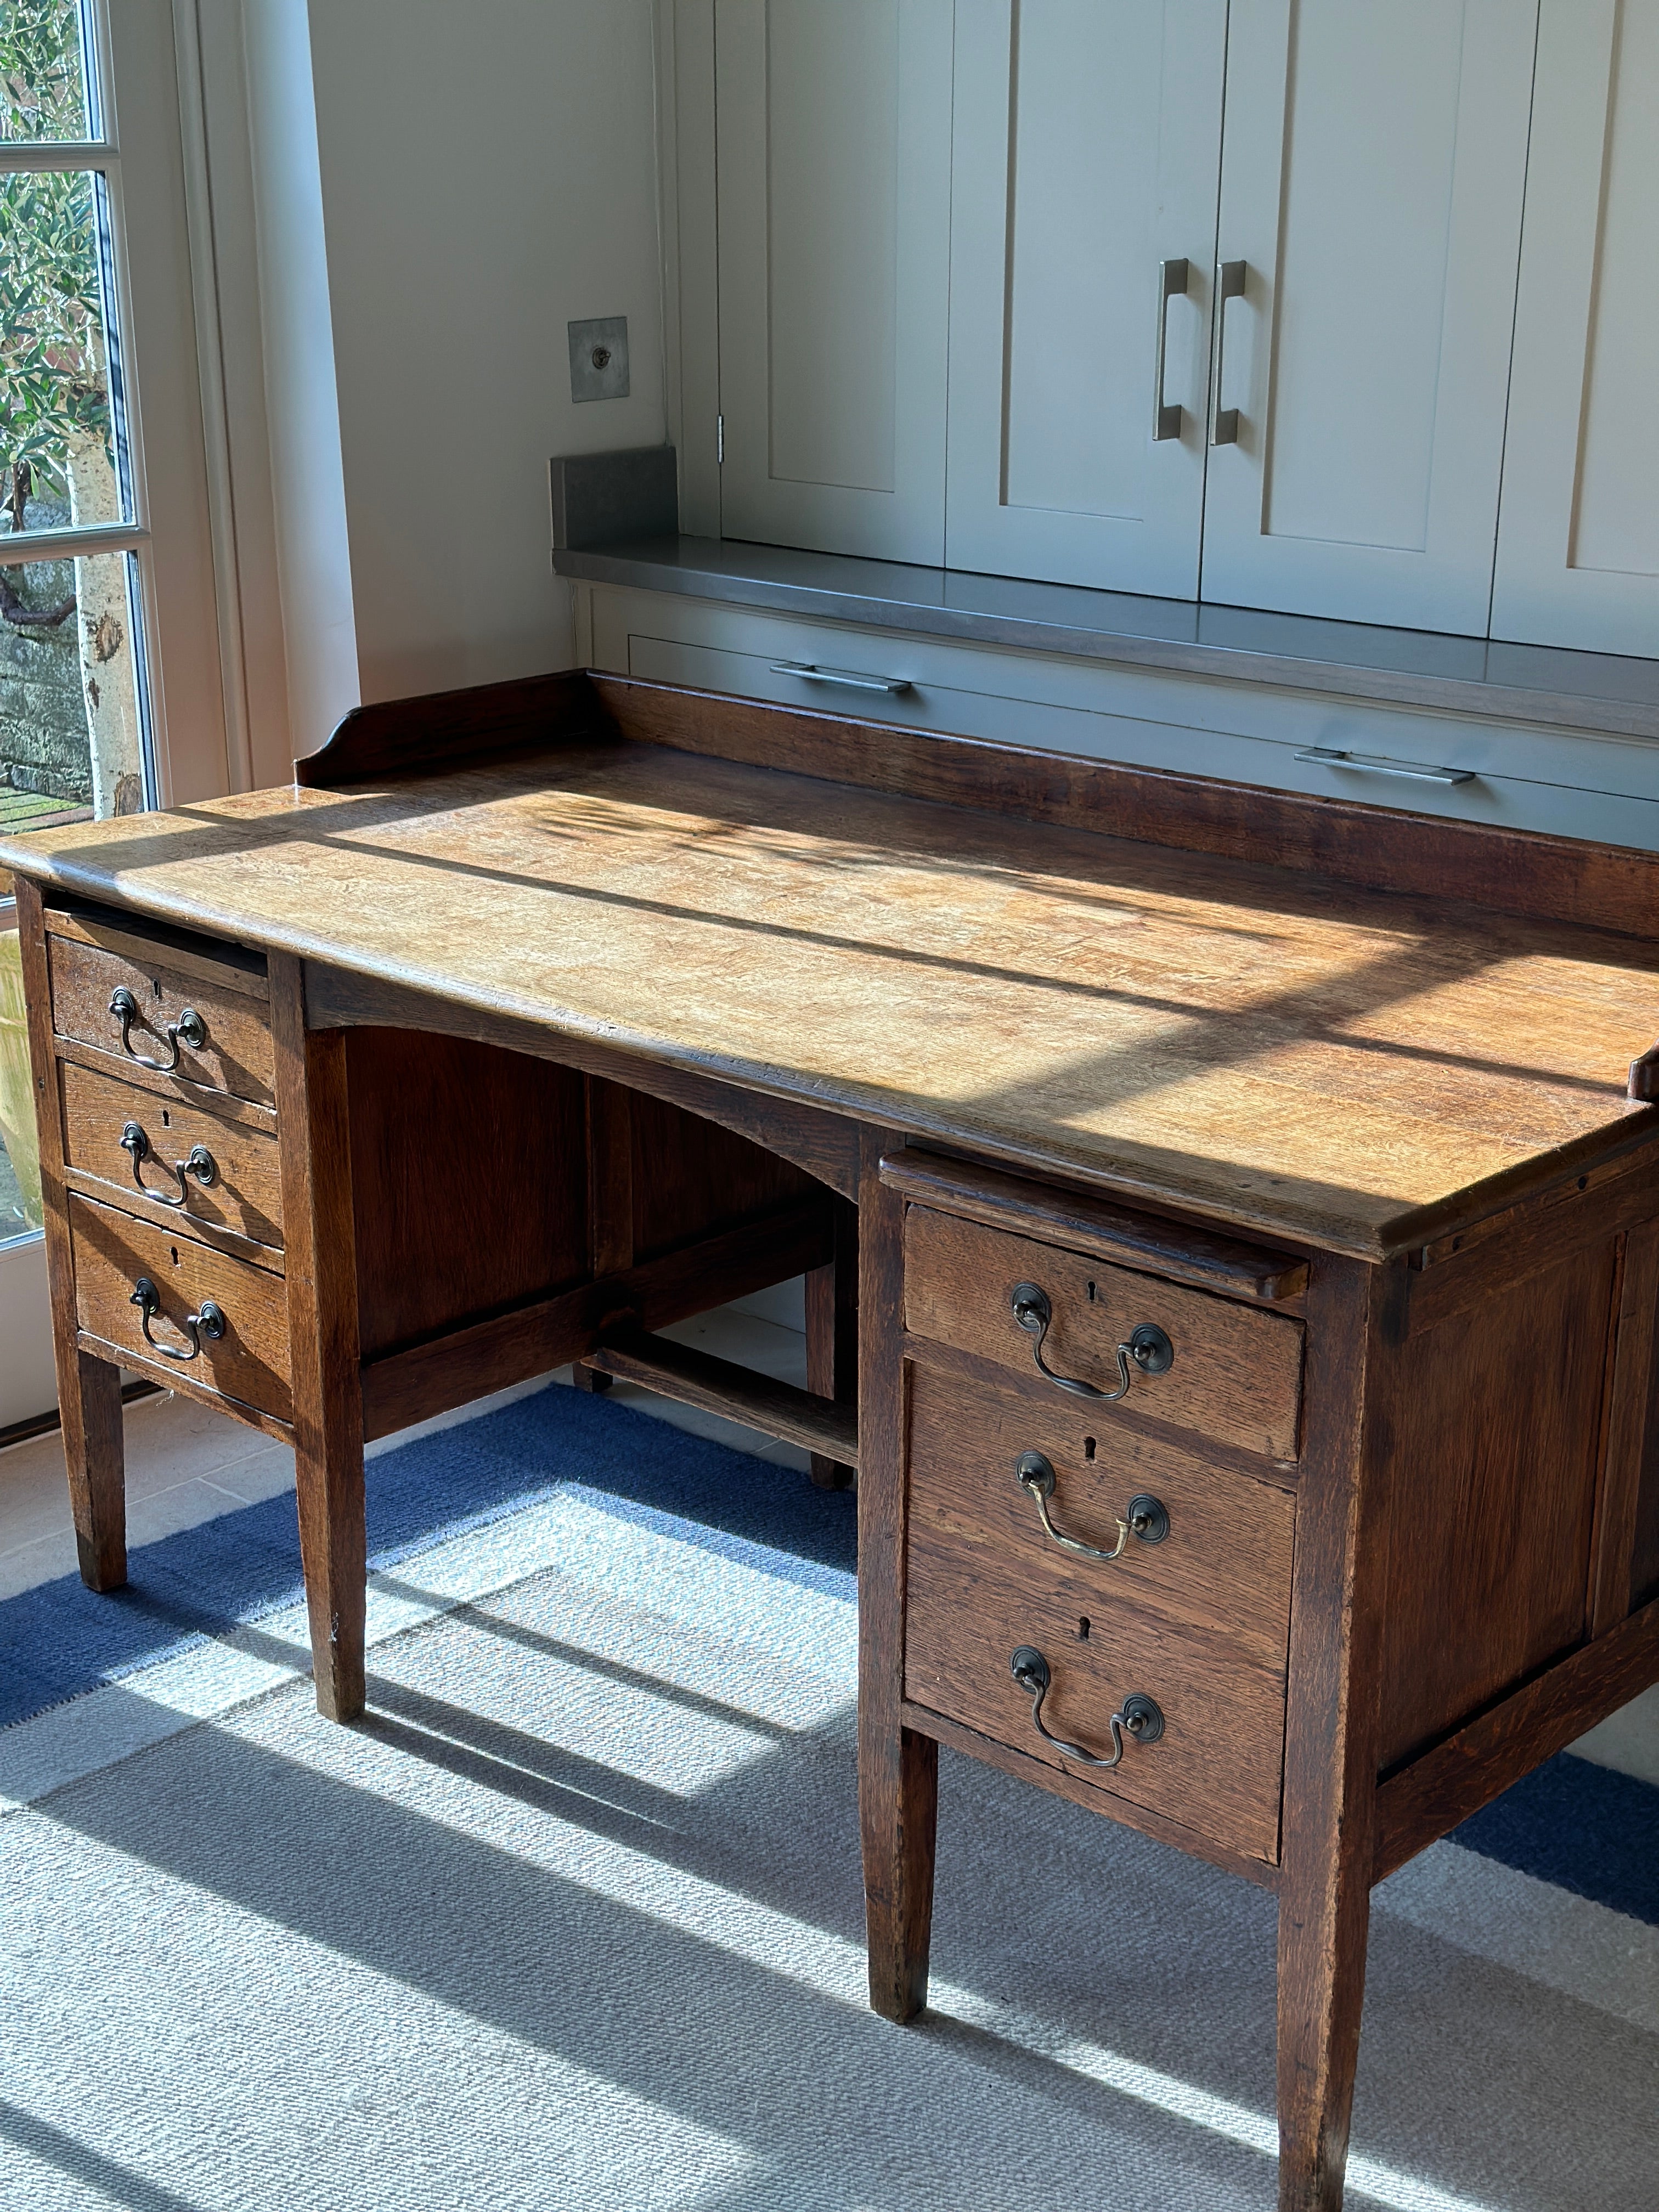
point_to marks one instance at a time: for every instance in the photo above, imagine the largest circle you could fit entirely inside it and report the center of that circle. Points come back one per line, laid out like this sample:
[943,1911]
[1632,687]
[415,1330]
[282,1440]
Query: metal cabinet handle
[1147,1344]
[210,1321]
[1224,430]
[848,679]
[1137,1717]
[1146,1518]
[198,1162]
[1375,764]
[1172,283]
[189,1030]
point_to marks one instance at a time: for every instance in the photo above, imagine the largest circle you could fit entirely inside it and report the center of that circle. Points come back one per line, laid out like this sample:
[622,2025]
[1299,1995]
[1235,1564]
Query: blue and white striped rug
[574,1918]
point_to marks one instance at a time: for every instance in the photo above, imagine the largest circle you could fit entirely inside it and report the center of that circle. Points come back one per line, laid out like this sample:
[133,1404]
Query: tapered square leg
[88,1387]
[89,1401]
[898,1803]
[898,1769]
[1324,1914]
[1331,1733]
[314,1134]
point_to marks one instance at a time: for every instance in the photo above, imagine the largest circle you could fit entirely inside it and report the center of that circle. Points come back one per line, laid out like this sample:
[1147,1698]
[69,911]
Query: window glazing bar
[45,153]
[18,548]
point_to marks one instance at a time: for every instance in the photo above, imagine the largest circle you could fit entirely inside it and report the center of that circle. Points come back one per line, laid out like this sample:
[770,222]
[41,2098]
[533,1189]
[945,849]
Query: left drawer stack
[165,1068]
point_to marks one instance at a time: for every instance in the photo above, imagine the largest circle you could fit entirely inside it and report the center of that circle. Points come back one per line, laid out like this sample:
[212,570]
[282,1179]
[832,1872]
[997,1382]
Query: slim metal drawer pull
[198,1162]
[1137,1717]
[189,1030]
[1146,1519]
[1147,1344]
[848,679]
[1229,286]
[1375,764]
[1172,285]
[210,1321]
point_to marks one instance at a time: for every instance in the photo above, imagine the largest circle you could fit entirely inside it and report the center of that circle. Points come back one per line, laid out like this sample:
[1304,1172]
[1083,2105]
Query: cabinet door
[1372,173]
[1578,541]
[1087,146]
[833,147]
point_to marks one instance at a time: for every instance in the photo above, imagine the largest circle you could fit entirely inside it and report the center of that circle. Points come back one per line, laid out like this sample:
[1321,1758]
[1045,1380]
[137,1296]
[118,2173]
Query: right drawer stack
[1097,1578]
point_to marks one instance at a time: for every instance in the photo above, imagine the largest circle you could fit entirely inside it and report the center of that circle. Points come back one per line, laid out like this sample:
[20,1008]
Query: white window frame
[133,94]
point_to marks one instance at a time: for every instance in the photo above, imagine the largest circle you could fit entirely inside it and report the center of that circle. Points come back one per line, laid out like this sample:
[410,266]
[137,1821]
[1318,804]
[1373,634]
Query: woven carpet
[574,1919]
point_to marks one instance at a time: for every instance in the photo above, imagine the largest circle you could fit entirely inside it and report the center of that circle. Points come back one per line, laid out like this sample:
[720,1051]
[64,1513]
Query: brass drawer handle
[210,1321]
[1147,1344]
[1137,1717]
[1146,1518]
[198,1162]
[189,1030]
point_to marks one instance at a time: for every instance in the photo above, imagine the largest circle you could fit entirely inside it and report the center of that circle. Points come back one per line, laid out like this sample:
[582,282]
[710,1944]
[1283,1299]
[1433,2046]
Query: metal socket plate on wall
[598,358]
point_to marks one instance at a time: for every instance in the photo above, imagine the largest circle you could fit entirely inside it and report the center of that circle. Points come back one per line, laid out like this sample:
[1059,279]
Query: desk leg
[89,1402]
[88,1388]
[898,1770]
[832,1333]
[314,1134]
[1331,1735]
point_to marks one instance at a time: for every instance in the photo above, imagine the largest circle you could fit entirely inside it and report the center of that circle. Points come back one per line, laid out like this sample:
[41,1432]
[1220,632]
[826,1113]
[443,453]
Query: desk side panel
[1495,1423]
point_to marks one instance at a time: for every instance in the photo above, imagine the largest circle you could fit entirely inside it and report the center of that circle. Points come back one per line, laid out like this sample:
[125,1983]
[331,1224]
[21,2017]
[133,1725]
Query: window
[92,604]
[74,734]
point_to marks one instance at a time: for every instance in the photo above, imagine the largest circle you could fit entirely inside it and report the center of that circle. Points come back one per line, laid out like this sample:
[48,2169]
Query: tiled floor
[186,1464]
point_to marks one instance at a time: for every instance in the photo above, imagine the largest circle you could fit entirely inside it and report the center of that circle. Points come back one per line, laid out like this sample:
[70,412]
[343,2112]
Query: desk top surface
[1348,1069]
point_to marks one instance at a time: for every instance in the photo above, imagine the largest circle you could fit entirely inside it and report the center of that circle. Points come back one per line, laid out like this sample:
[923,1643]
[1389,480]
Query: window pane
[72,737]
[19,1151]
[43,82]
[60,446]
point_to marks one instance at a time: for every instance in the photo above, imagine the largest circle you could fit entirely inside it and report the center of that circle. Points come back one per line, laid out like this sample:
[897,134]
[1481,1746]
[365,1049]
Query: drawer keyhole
[1088,1448]
[1083,1630]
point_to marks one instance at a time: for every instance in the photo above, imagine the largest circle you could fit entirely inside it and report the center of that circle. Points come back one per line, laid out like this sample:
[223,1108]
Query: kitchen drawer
[1216,1767]
[243,1193]
[249,1361]
[1569,783]
[230,1001]
[1236,1373]
[1219,1558]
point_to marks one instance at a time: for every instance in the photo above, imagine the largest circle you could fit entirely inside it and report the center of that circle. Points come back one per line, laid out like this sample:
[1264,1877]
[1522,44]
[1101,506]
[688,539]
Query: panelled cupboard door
[1373,168]
[1578,532]
[1087,145]
[833,136]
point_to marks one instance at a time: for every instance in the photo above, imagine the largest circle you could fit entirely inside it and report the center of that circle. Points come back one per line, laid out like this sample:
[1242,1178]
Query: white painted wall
[306,480]
[433,193]
[487,174]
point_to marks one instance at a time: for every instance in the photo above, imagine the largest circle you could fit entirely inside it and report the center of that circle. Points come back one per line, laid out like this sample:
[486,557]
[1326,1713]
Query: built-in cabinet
[1373,170]
[1086,153]
[1578,547]
[833,143]
[1339,309]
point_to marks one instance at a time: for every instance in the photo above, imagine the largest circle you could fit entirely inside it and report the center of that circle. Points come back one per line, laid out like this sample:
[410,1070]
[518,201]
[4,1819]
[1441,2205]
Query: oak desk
[1255,1276]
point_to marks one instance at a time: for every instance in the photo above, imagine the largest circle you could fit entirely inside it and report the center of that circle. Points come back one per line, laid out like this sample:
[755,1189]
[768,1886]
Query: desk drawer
[1216,1765]
[248,1362]
[234,1053]
[1235,1374]
[243,1193]
[1523,776]
[1218,1557]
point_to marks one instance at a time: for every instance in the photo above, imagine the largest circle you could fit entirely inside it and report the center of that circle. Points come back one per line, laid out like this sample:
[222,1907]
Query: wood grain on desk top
[1335,1065]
